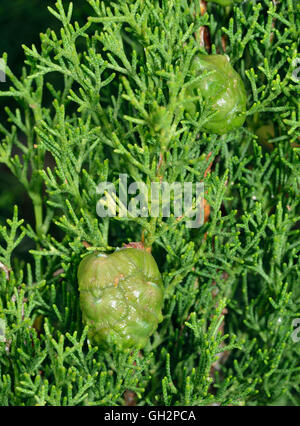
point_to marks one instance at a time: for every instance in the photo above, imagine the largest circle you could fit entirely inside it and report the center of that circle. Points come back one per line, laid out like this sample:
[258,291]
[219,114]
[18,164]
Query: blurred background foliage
[21,22]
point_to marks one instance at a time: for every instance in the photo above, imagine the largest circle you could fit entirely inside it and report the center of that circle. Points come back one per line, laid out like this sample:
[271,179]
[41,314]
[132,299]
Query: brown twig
[130,398]
[224,42]
[203,35]
[58,272]
[138,245]
[86,244]
[209,166]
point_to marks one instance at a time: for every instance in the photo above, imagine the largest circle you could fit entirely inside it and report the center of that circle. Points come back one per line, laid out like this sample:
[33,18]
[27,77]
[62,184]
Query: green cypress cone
[121,297]
[223,90]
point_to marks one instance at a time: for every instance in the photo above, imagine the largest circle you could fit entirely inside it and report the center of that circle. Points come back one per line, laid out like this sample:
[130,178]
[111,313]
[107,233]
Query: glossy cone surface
[121,297]
[223,92]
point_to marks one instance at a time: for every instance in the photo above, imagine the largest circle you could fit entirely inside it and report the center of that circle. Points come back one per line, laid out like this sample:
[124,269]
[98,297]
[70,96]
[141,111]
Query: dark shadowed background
[21,22]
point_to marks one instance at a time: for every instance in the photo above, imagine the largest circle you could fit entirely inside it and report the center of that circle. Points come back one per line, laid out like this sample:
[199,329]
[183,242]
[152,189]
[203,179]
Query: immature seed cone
[121,297]
[223,91]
